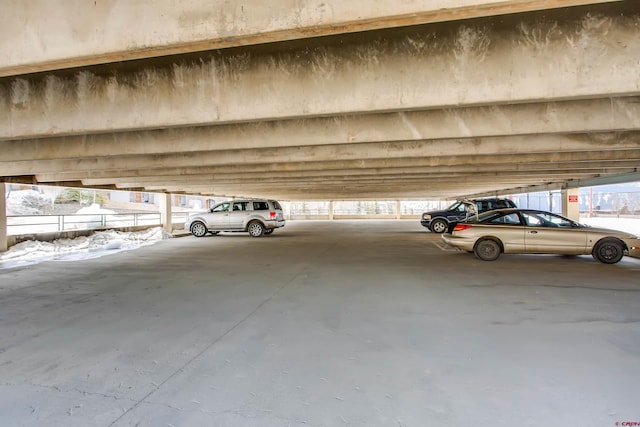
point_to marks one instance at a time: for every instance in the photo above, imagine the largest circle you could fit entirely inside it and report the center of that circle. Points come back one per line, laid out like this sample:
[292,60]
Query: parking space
[322,323]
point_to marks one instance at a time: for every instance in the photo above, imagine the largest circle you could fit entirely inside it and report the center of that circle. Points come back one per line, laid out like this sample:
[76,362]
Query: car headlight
[426,216]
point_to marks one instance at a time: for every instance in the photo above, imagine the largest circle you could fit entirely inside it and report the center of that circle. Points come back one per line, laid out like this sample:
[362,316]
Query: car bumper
[425,222]
[461,242]
[634,247]
[275,224]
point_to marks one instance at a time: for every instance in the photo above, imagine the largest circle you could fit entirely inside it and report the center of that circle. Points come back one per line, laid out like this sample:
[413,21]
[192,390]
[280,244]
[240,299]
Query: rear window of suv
[260,206]
[488,205]
[276,205]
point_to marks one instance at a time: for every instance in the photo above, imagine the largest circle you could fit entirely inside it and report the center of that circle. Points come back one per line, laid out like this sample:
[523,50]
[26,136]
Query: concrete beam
[578,183]
[604,180]
[580,116]
[516,145]
[328,185]
[349,193]
[187,176]
[462,63]
[365,179]
[40,35]
[501,160]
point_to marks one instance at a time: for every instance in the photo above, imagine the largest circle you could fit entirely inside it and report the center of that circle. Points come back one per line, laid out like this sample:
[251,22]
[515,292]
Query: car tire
[487,250]
[439,226]
[255,229]
[268,231]
[198,229]
[608,251]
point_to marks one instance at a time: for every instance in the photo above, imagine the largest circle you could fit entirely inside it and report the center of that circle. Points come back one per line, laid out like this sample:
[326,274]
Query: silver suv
[257,216]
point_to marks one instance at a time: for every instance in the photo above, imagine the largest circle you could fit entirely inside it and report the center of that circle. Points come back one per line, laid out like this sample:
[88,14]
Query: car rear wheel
[256,229]
[487,250]
[198,229]
[608,251]
[439,226]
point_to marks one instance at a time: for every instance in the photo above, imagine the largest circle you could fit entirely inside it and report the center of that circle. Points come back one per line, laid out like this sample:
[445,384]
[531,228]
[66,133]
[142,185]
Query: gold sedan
[528,231]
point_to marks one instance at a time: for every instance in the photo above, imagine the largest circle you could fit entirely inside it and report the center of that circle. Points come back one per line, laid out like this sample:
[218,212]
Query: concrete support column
[331,210]
[398,213]
[3,217]
[165,212]
[571,203]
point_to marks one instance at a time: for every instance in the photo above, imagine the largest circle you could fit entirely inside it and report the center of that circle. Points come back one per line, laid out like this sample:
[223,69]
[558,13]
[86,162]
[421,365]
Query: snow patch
[99,244]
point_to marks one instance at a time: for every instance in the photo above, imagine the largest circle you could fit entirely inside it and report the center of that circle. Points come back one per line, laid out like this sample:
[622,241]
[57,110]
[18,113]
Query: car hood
[432,213]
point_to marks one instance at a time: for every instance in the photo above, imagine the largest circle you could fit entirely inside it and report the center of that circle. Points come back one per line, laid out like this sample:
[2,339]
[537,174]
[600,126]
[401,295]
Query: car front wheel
[439,226]
[487,250]
[198,229]
[256,229]
[608,251]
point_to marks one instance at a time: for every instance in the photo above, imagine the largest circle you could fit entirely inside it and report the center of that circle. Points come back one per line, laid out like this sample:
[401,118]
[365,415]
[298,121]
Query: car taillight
[272,215]
[460,227]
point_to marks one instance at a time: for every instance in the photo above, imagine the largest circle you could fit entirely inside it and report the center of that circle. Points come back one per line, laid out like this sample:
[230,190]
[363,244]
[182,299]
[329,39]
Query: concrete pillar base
[3,217]
[165,212]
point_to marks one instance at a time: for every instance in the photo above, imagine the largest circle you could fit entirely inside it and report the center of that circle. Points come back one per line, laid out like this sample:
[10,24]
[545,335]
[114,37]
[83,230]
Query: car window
[462,208]
[276,205]
[557,220]
[222,207]
[541,219]
[260,206]
[453,207]
[508,219]
[241,206]
[483,217]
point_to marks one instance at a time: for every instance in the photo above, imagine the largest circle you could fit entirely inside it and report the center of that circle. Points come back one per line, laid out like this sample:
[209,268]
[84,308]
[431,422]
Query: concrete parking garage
[324,324]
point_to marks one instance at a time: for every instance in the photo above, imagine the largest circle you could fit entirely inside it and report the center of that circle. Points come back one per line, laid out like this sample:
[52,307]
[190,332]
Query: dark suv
[438,221]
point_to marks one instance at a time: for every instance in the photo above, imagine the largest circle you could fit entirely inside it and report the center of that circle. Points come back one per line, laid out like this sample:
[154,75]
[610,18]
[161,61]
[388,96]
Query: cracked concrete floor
[321,324]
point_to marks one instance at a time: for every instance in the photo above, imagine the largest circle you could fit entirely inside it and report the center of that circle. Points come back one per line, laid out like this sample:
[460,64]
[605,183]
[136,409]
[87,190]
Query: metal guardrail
[26,224]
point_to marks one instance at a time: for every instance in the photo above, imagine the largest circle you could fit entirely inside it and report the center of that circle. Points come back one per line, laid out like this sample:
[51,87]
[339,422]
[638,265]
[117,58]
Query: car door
[238,215]
[508,228]
[218,218]
[461,211]
[549,233]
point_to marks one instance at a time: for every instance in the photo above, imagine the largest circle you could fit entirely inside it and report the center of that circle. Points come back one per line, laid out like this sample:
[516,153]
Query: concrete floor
[321,324]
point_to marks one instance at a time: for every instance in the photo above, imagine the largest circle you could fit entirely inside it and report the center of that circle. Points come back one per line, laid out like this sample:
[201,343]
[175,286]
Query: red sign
[573,199]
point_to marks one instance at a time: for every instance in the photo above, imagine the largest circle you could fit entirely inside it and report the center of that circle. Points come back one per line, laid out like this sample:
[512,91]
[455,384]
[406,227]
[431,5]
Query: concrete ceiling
[472,98]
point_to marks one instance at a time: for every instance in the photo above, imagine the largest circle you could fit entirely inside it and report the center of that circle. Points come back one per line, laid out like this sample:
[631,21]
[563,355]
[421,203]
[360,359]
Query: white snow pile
[96,245]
